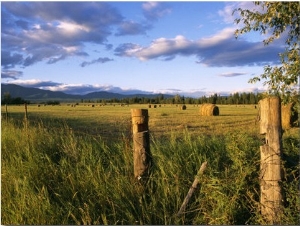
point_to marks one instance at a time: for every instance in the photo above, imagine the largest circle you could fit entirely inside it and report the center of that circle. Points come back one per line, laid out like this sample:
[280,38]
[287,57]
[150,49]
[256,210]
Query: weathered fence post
[270,166]
[141,142]
[192,189]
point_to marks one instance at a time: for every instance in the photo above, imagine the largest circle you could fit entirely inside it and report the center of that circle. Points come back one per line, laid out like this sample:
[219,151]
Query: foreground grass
[56,176]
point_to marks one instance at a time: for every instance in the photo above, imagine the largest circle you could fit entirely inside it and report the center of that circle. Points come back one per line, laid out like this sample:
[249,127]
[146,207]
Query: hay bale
[149,105]
[289,115]
[209,110]
[183,107]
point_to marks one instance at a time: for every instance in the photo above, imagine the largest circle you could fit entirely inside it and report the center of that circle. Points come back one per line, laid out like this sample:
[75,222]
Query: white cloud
[34,83]
[225,34]
[227,12]
[232,74]
[72,28]
[220,49]
[149,5]
[155,10]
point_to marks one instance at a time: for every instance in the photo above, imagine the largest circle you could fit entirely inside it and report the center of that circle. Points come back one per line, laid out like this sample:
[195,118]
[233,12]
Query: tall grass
[55,176]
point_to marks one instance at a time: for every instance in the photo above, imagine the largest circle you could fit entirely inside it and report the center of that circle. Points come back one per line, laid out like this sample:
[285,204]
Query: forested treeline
[236,98]
[7,99]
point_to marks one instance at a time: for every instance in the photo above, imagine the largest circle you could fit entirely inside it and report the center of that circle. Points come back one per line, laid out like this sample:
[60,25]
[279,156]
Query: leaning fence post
[270,166]
[141,142]
[192,189]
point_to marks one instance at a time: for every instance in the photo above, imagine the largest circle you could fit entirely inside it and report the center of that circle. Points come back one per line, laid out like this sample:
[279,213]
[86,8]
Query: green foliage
[55,176]
[276,19]
[7,99]
[53,102]
[236,98]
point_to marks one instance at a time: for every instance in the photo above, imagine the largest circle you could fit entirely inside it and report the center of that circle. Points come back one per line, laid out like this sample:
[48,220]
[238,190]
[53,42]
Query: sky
[185,48]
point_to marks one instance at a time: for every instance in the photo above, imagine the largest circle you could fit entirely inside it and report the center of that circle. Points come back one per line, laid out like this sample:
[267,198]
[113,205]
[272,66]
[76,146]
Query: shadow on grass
[108,131]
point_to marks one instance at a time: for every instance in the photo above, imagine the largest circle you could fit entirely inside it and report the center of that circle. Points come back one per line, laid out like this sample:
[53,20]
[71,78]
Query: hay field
[111,121]
[73,165]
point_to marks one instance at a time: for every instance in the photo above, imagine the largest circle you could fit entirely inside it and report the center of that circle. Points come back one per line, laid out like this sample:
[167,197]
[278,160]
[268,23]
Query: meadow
[74,165]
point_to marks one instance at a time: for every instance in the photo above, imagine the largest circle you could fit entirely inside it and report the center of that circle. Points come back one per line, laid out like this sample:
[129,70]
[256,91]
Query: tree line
[235,98]
[7,99]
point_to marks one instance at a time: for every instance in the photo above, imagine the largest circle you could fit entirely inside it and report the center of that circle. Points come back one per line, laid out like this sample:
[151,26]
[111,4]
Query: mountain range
[35,94]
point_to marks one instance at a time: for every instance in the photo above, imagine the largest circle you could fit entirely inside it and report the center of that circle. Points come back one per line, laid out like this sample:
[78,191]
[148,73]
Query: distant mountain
[35,94]
[109,95]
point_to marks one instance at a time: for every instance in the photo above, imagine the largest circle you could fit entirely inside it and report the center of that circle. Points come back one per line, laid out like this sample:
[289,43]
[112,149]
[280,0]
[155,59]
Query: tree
[177,99]
[6,99]
[279,19]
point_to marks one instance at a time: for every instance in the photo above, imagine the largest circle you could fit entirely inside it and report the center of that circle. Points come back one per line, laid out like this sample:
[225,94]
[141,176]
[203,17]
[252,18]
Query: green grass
[64,168]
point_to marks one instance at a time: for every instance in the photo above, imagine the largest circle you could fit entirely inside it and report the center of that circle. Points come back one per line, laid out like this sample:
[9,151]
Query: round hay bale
[154,105]
[209,110]
[149,105]
[183,107]
[289,115]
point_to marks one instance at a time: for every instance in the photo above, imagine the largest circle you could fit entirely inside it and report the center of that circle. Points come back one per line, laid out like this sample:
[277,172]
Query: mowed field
[113,121]
[74,165]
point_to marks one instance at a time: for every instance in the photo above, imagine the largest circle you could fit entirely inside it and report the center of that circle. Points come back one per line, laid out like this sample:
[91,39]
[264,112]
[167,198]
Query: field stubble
[113,121]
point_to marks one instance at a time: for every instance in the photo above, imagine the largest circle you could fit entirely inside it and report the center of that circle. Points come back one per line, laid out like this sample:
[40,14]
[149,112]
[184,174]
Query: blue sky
[185,48]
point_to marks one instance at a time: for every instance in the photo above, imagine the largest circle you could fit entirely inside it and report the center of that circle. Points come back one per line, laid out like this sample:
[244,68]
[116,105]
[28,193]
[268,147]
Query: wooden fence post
[141,142]
[192,189]
[270,165]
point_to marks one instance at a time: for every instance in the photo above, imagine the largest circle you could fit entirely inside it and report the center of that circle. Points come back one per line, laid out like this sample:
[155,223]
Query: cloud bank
[219,50]
[53,31]
[11,74]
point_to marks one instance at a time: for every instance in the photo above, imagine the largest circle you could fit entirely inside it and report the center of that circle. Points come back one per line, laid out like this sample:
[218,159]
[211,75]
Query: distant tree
[6,98]
[279,19]
[252,99]
[177,99]
[182,100]
[214,98]
[53,102]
